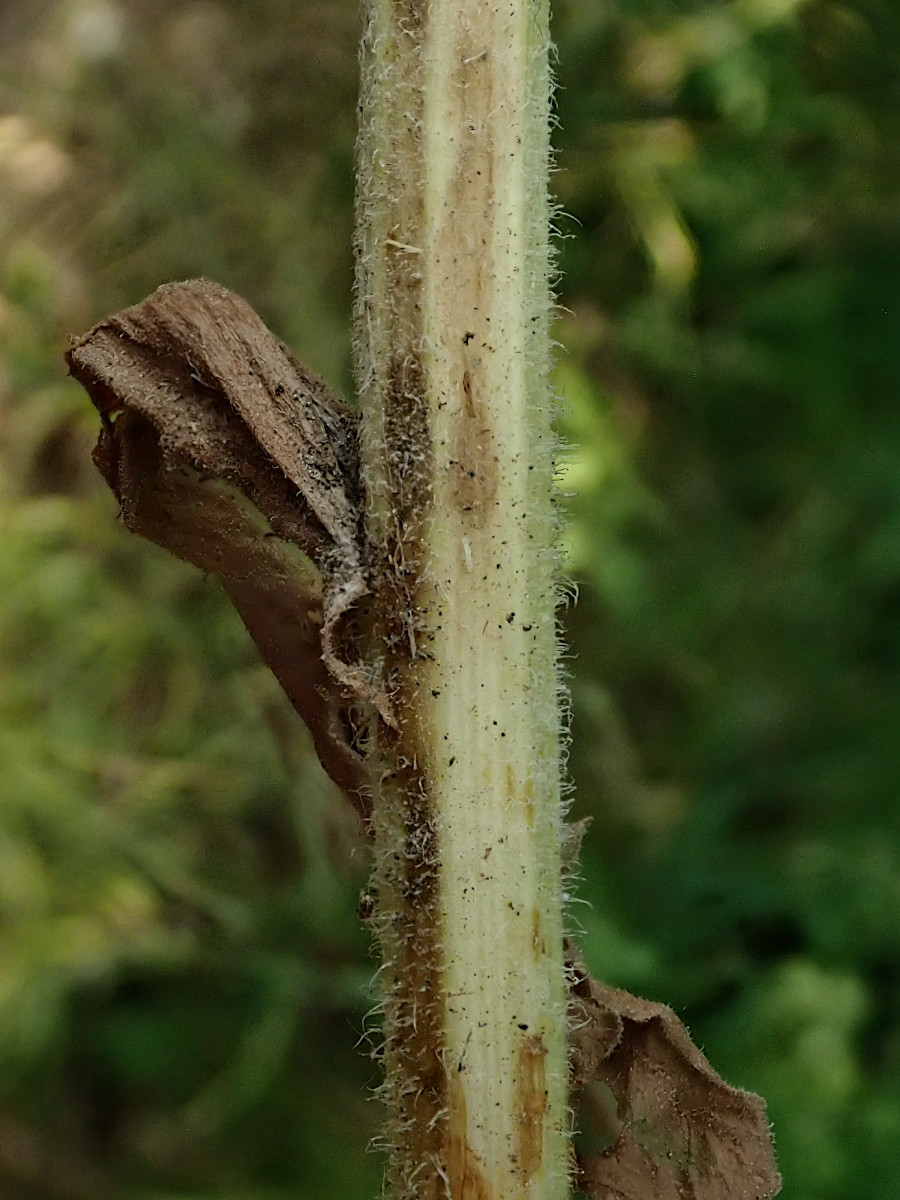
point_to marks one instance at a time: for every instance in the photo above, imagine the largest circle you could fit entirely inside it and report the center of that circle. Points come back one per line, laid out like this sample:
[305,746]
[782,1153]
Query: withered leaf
[224,449]
[666,1126]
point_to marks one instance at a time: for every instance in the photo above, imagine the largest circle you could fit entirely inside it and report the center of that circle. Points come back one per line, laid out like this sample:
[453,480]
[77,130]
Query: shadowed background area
[183,976]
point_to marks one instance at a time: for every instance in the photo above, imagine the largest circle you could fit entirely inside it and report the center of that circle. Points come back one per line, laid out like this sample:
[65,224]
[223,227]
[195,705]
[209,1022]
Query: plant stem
[453,356]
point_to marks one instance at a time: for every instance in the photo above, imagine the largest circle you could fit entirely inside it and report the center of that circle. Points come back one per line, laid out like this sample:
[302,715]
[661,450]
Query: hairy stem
[457,458]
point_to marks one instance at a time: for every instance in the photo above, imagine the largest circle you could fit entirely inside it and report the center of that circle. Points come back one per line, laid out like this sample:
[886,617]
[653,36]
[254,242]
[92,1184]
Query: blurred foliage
[182,973]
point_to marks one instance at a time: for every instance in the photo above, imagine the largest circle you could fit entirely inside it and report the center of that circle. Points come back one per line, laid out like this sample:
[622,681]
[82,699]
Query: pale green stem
[457,451]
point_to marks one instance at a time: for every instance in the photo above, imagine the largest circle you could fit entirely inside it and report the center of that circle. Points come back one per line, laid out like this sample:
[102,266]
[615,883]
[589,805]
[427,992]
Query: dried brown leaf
[224,449]
[664,1124]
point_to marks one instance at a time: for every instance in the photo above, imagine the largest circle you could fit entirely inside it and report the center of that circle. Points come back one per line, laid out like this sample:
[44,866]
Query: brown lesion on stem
[531,1100]
[538,947]
[407,854]
[405,919]
[400,461]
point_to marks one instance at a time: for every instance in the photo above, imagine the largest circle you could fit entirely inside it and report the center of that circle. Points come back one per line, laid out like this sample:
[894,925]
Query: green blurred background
[183,978]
